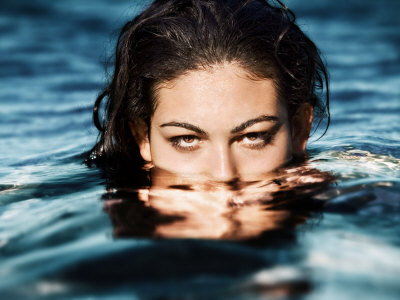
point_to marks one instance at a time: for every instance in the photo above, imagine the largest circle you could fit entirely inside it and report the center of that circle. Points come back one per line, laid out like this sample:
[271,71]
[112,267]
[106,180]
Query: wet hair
[172,37]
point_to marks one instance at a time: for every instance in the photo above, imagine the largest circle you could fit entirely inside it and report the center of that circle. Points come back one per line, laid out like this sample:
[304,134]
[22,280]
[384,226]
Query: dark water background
[56,242]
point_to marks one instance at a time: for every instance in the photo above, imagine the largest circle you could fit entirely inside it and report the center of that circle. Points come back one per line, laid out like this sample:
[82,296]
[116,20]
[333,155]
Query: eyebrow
[237,129]
[251,122]
[186,126]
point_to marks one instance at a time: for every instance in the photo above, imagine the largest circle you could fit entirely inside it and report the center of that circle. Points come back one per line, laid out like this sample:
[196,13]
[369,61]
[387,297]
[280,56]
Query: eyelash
[266,138]
[176,142]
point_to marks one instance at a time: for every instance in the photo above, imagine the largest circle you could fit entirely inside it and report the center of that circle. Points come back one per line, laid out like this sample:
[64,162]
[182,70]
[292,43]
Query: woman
[223,90]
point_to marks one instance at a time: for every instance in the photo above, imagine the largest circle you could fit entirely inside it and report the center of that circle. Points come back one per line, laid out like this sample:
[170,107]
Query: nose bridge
[223,164]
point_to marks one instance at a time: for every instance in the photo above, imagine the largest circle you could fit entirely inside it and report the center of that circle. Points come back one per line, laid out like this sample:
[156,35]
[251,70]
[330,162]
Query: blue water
[57,241]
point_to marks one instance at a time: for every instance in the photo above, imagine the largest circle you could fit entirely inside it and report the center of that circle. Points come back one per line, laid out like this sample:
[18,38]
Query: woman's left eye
[256,140]
[185,142]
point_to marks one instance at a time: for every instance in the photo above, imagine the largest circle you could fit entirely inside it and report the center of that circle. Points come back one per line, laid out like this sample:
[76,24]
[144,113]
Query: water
[61,238]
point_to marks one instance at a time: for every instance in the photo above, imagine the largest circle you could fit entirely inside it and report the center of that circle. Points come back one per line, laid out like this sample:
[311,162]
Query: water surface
[61,234]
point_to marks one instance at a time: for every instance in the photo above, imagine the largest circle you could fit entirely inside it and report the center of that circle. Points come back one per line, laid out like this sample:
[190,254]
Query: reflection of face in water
[260,218]
[180,208]
[220,124]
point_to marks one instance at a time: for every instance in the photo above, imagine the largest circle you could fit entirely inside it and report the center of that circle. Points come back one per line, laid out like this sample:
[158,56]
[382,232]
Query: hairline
[249,74]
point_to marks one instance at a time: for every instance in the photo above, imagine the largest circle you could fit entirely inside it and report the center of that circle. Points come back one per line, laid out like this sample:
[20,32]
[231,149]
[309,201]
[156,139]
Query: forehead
[221,94]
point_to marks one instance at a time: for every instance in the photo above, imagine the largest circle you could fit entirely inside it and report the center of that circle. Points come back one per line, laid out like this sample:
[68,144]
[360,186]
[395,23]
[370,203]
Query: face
[221,125]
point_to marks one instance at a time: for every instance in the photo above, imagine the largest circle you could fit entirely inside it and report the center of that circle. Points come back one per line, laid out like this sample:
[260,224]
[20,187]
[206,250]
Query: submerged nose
[222,165]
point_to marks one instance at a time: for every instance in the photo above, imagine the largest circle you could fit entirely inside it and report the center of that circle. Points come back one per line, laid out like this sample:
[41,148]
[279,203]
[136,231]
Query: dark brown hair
[172,37]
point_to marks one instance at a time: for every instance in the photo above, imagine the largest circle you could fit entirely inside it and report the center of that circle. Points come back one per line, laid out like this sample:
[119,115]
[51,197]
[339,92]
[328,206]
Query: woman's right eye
[185,142]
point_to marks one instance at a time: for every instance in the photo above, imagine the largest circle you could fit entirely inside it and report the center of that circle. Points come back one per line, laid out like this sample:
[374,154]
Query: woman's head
[194,72]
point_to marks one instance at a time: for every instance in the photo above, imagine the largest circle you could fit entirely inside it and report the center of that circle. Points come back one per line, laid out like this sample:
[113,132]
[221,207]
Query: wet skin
[221,124]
